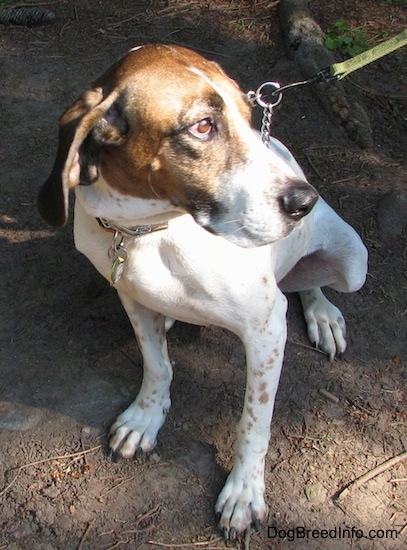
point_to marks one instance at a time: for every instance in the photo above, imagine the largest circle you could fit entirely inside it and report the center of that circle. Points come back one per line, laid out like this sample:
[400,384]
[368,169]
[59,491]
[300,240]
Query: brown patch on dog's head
[151,126]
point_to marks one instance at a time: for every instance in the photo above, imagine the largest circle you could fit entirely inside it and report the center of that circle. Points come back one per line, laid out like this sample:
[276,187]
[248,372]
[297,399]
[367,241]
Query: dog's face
[166,126]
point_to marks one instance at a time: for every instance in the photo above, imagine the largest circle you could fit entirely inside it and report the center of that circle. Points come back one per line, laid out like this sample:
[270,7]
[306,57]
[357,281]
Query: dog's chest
[183,272]
[194,285]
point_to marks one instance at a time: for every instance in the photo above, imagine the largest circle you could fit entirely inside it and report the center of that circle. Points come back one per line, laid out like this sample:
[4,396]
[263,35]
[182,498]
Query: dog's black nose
[299,200]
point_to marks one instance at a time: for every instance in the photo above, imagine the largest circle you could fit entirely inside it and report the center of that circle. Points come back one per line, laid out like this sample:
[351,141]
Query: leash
[337,71]
[341,70]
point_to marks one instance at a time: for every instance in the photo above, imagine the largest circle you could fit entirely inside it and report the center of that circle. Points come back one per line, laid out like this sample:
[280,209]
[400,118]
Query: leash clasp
[267,103]
[259,97]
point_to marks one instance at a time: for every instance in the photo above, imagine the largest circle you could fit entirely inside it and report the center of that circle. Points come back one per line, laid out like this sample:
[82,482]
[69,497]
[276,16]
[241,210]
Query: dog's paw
[325,323]
[137,428]
[240,506]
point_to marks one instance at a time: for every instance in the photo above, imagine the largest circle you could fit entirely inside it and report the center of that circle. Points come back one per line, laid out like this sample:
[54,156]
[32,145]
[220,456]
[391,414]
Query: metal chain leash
[258,97]
[266,124]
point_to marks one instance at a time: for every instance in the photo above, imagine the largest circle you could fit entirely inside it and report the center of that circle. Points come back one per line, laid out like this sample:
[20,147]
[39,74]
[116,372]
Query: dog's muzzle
[264,220]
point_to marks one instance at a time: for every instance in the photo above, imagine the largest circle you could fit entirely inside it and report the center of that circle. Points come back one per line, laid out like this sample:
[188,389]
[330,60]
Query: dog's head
[163,124]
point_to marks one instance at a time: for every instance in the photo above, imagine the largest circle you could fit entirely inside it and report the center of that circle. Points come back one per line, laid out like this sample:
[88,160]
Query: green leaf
[333,42]
[342,26]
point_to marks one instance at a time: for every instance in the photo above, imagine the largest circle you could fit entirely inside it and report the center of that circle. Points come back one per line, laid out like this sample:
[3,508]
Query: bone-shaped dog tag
[117,269]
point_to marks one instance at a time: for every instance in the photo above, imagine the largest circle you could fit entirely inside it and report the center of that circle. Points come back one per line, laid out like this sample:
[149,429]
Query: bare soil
[68,359]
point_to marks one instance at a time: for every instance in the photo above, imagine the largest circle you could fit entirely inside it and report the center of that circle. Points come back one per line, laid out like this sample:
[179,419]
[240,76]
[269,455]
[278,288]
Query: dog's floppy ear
[91,122]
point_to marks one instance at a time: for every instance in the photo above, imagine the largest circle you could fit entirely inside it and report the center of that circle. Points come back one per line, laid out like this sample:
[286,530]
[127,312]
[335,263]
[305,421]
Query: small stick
[23,466]
[363,409]
[318,173]
[371,474]
[398,480]
[119,485]
[344,180]
[60,457]
[5,490]
[115,25]
[85,534]
[138,531]
[148,514]
[330,396]
[305,346]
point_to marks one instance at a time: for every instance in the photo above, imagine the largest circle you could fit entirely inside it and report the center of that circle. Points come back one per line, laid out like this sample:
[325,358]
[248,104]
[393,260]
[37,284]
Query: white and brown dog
[182,207]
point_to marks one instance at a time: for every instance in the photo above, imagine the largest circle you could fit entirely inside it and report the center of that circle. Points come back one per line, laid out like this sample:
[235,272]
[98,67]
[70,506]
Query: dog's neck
[117,212]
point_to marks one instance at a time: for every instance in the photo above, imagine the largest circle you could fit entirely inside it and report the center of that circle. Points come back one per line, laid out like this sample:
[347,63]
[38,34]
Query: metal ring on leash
[257,95]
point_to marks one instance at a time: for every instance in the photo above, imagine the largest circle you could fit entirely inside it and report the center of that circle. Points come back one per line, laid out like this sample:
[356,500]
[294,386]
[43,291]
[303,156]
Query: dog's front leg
[137,427]
[241,502]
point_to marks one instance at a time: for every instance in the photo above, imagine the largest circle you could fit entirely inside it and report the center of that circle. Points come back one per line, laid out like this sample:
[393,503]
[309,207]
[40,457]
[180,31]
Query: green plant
[341,37]
[243,23]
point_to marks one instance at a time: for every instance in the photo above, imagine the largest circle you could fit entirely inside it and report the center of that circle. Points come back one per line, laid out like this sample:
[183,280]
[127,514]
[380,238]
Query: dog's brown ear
[83,128]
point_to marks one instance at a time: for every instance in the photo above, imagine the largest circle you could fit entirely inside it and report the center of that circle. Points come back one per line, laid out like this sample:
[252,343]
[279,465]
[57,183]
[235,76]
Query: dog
[191,217]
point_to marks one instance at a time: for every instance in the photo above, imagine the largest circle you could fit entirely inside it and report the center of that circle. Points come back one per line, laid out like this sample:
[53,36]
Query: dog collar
[137,231]
[117,250]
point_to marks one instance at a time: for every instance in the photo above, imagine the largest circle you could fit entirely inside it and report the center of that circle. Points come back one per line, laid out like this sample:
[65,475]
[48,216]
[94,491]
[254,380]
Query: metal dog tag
[117,269]
[118,255]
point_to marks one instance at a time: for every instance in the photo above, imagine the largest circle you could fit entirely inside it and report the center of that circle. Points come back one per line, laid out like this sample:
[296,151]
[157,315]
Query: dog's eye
[202,129]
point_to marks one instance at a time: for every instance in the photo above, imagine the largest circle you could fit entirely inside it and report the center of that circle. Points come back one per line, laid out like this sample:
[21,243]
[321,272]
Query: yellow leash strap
[337,71]
[341,70]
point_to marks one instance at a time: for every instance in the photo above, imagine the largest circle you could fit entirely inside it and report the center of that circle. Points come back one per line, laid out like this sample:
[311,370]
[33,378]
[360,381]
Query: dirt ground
[68,359]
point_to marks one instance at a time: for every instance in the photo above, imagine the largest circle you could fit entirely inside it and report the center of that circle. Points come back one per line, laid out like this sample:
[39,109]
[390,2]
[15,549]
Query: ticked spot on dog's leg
[241,505]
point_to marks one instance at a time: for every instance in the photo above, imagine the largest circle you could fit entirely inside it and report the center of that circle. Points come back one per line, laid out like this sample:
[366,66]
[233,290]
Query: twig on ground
[138,531]
[119,23]
[360,407]
[85,534]
[147,515]
[344,180]
[60,457]
[330,396]
[312,164]
[6,489]
[398,480]
[119,485]
[370,475]
[305,346]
